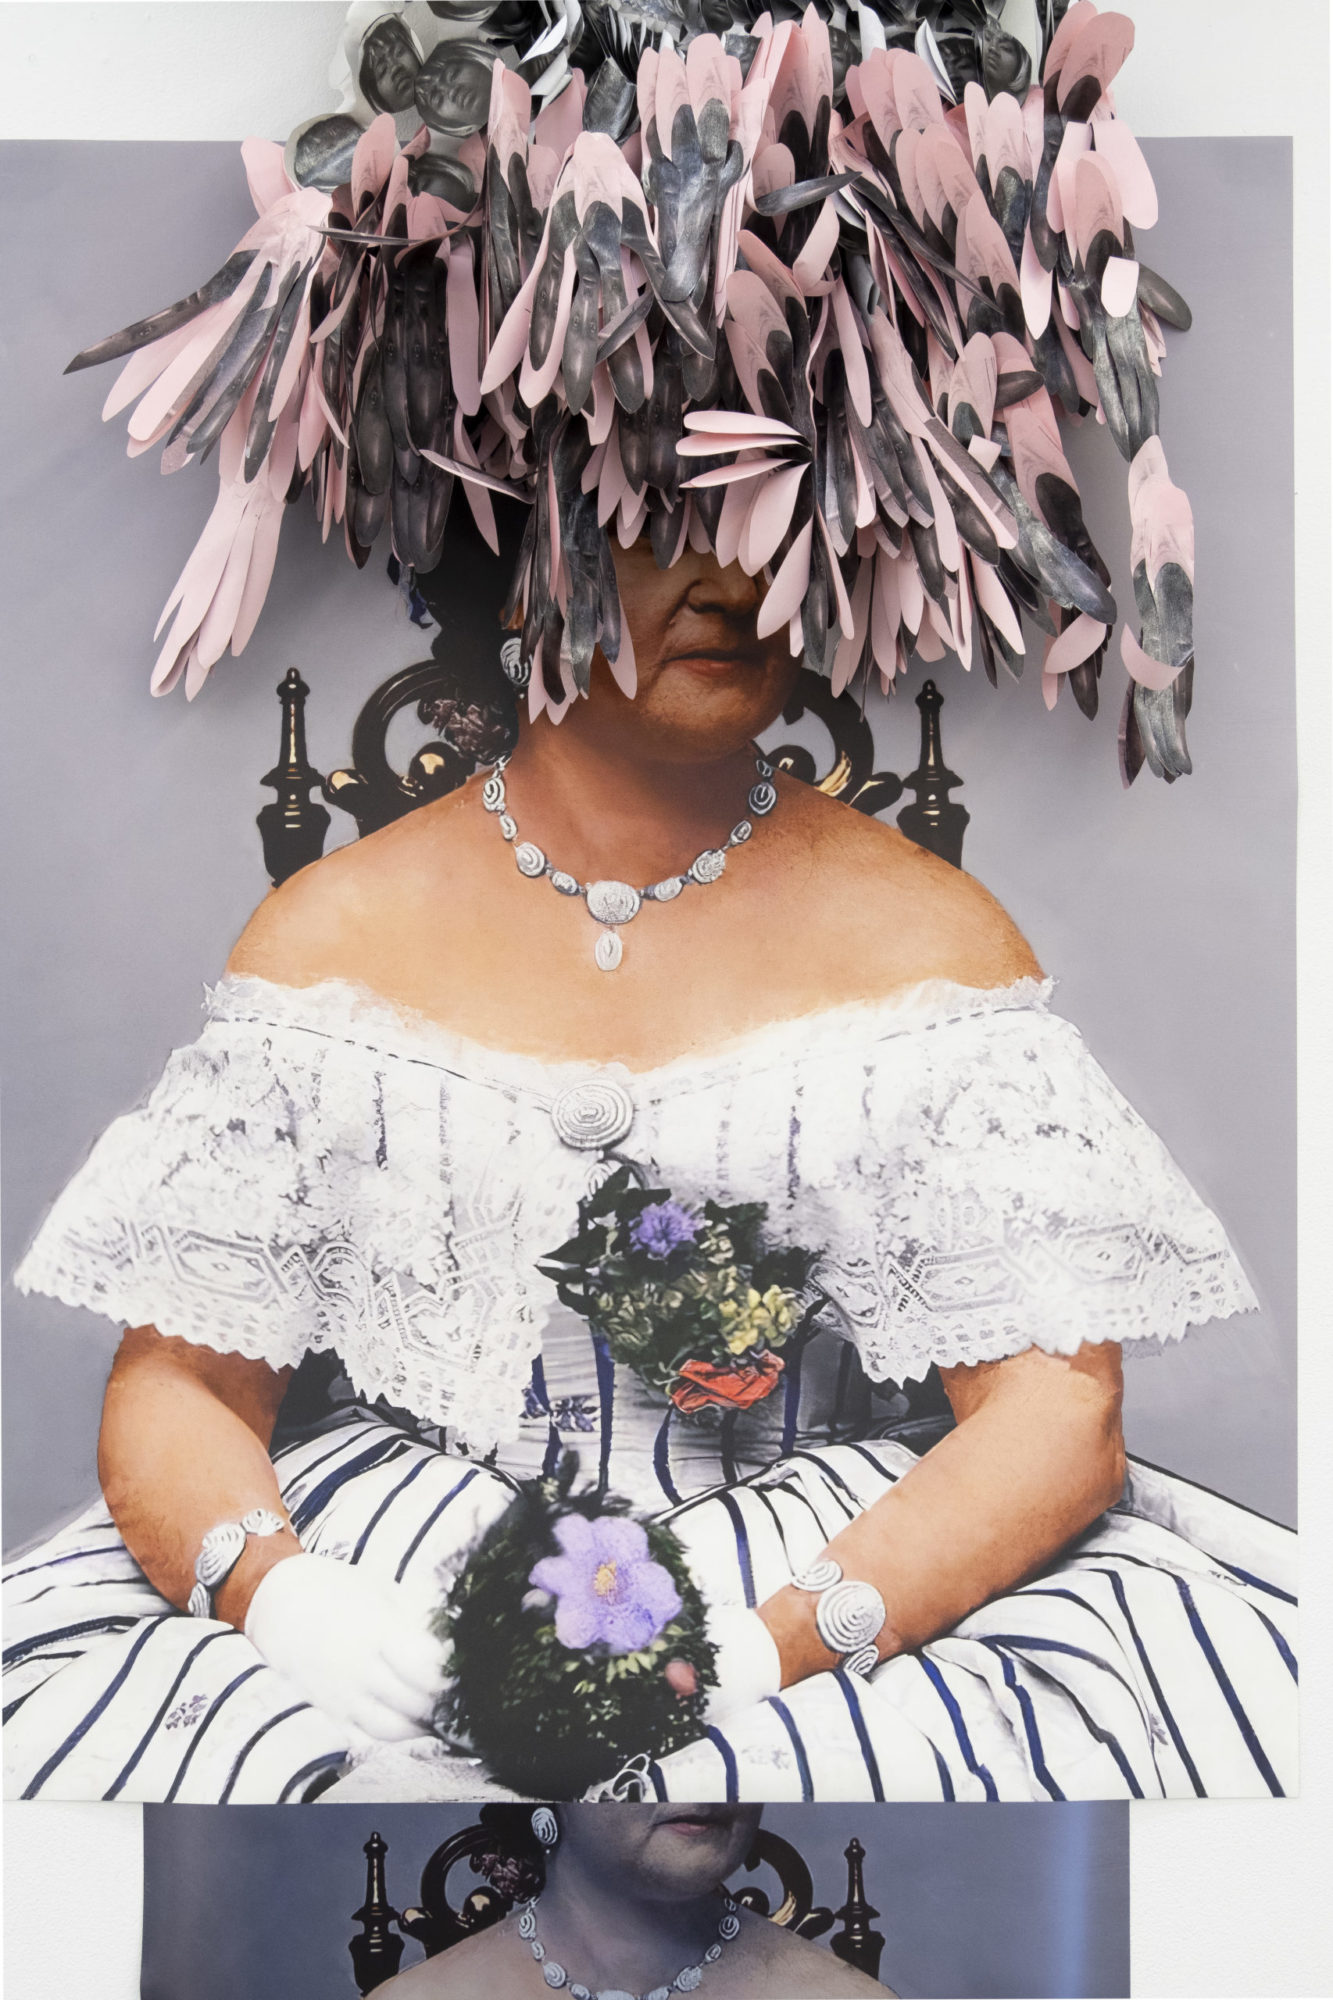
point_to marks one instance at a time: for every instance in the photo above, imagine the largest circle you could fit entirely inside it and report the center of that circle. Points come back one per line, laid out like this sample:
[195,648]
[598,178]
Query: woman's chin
[693,1853]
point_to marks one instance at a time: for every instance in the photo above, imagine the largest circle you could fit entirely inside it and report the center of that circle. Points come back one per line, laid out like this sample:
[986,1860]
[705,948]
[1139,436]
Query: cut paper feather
[814,292]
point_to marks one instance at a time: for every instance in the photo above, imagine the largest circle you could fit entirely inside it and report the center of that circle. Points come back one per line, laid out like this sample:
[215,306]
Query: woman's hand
[356,1648]
[1036,1456]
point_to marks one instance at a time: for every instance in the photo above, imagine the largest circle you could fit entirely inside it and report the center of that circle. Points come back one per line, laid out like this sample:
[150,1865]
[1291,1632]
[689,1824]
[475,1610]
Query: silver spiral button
[763,798]
[588,1116]
[530,859]
[849,1616]
[219,1554]
[819,1575]
[493,793]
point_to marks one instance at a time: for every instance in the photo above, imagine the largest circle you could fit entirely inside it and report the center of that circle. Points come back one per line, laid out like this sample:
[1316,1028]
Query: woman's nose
[728,590]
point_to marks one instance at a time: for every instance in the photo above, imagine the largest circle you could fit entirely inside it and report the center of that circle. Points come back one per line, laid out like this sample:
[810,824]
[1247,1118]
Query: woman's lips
[700,1822]
[710,660]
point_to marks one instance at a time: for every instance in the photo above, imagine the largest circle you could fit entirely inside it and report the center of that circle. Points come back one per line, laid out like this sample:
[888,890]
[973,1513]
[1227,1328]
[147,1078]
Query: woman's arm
[1036,1456]
[183,1447]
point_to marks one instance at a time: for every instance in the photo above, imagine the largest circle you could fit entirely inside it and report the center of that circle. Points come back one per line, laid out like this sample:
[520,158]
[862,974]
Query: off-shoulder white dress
[319,1172]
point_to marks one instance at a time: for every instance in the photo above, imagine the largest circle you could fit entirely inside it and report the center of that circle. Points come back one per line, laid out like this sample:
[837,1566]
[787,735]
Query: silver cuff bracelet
[849,1616]
[221,1550]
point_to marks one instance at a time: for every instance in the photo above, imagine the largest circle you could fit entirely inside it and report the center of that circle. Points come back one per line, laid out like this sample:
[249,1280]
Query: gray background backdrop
[1011,1900]
[131,860]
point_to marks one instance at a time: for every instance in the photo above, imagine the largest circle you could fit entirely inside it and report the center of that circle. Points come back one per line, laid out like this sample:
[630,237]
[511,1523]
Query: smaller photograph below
[635,1902]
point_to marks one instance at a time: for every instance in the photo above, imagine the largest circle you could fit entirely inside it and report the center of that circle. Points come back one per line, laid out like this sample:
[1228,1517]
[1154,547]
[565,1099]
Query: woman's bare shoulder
[331,919]
[893,902]
[471,1970]
[791,1968]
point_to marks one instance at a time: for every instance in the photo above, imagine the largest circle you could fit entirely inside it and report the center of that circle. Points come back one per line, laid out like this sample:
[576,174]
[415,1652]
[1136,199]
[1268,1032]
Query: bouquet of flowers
[578,1641]
[690,1297]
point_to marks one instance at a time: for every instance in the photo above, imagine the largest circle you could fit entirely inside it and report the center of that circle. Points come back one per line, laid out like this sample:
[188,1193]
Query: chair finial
[856,1943]
[934,820]
[292,827]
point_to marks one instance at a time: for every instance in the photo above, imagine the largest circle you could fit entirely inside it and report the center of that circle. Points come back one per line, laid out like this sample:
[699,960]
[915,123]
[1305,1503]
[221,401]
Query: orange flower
[733,1388]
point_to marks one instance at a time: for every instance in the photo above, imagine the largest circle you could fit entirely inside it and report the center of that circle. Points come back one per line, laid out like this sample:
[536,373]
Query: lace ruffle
[320,1171]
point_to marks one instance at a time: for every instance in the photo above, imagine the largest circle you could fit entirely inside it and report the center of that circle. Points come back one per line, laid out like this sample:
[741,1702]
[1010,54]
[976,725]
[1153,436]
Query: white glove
[748,1667]
[356,1648]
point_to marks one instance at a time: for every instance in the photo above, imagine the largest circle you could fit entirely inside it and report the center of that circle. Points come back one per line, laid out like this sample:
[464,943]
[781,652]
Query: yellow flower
[781,1307]
[751,1325]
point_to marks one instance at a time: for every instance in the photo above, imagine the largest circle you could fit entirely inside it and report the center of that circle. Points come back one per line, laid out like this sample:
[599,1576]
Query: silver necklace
[612,904]
[687,1980]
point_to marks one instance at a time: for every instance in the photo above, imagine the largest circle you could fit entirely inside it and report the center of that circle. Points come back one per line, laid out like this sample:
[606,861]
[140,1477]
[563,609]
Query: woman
[414,1070]
[627,1898]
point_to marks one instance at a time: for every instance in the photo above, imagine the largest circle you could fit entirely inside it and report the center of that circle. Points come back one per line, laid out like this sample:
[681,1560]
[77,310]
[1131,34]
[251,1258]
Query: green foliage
[723,1297]
[547,1721]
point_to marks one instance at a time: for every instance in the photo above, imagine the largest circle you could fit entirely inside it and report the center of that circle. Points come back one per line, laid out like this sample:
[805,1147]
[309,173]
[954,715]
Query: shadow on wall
[1014,1901]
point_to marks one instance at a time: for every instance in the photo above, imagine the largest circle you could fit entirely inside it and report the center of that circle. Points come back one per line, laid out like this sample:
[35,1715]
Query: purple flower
[606,1586]
[657,1230]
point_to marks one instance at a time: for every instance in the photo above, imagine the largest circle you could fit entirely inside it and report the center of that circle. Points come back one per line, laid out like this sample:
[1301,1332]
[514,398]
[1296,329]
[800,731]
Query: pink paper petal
[994,601]
[1077,643]
[731,523]
[1142,667]
[728,475]
[769,518]
[263,558]
[813,261]
[1116,144]
[741,422]
[511,342]
[788,588]
[1035,284]
[264,172]
[1062,41]
[853,354]
[847,658]
[464,327]
[1120,287]
[1076,141]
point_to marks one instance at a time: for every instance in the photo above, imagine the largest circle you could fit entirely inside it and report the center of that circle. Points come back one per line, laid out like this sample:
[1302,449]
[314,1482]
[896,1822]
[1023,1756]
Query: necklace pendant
[608,951]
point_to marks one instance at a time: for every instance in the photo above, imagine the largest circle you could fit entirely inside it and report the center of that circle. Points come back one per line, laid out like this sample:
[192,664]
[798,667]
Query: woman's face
[707,684]
[661,1853]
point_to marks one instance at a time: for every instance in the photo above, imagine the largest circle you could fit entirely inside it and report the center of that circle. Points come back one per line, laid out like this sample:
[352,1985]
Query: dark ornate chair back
[437,1922]
[473,726]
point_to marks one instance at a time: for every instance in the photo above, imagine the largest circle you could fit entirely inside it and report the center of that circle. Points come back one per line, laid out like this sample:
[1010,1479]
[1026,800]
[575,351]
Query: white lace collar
[342,1010]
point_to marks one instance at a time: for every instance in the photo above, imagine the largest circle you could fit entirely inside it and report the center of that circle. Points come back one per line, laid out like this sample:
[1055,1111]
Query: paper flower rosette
[690,1297]
[578,1641]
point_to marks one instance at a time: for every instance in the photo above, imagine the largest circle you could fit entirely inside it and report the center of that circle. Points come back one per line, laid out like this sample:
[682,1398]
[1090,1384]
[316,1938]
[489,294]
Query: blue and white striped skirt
[1155,1659]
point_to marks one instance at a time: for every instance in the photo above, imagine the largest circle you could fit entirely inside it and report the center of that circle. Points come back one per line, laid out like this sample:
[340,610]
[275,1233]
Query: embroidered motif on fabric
[567,1413]
[186,1713]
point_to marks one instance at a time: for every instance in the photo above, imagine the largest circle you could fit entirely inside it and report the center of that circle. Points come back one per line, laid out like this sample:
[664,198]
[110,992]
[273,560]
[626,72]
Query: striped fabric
[1155,1659]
